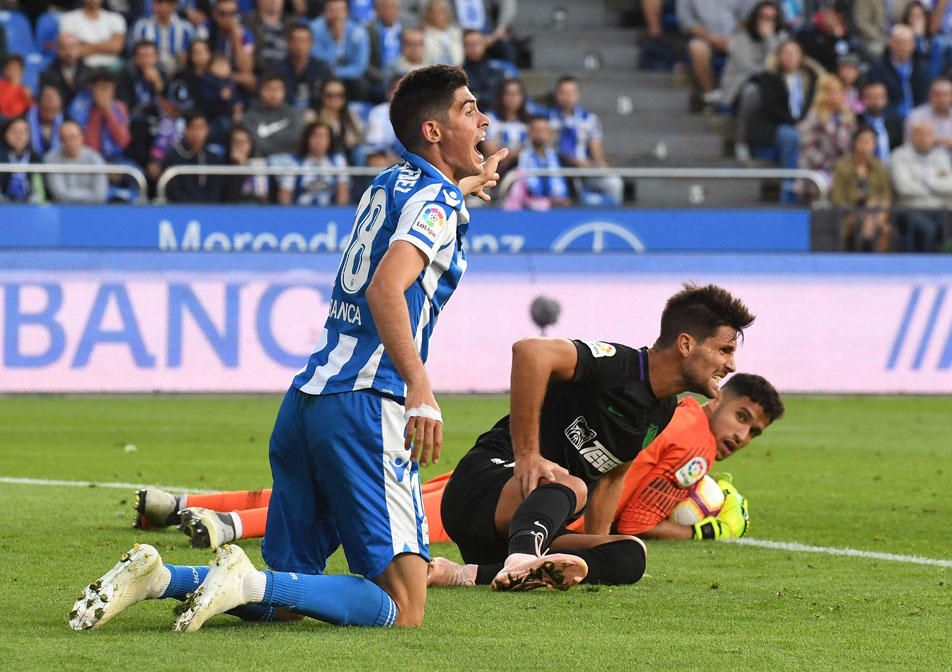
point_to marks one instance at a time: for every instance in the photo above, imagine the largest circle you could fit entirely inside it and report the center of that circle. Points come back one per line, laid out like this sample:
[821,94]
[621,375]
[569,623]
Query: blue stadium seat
[361,109]
[47,30]
[19,32]
[34,64]
[508,68]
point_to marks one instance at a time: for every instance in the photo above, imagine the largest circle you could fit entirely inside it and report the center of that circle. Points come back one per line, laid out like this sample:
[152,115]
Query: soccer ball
[704,499]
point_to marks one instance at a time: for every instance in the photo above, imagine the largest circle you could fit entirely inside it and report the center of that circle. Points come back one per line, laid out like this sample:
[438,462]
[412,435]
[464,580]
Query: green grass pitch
[867,473]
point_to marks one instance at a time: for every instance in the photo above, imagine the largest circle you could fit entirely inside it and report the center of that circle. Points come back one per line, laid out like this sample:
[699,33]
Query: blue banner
[267,229]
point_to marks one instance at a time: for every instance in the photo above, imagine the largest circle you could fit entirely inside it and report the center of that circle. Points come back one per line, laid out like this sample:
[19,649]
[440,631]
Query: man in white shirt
[71,187]
[937,112]
[922,177]
[101,33]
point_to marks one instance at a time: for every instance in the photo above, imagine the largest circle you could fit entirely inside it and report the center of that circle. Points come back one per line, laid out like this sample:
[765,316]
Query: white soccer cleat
[528,572]
[155,508]
[221,591]
[444,573]
[207,528]
[137,576]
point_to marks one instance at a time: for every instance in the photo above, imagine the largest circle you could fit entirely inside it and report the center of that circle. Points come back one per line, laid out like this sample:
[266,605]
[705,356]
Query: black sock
[539,517]
[615,563]
[486,573]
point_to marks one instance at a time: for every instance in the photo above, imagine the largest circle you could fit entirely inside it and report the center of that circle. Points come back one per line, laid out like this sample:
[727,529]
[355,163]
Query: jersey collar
[455,199]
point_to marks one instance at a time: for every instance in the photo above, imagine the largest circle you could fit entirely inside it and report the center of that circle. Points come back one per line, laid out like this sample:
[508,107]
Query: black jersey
[600,419]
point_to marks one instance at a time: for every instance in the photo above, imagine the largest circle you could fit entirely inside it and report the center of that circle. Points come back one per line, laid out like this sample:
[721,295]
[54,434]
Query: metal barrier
[817,178]
[73,169]
[175,171]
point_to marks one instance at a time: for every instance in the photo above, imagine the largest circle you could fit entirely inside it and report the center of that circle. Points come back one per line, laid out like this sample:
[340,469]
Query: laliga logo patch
[601,349]
[434,217]
[691,472]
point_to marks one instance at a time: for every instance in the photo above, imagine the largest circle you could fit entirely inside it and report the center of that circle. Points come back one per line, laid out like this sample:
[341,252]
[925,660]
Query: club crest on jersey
[430,221]
[691,472]
[579,433]
[600,348]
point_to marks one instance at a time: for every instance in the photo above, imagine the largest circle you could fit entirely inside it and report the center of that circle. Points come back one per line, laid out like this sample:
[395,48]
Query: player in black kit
[580,412]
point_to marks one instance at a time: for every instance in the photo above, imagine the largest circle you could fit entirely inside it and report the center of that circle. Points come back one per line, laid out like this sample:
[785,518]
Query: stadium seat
[47,30]
[33,65]
[19,32]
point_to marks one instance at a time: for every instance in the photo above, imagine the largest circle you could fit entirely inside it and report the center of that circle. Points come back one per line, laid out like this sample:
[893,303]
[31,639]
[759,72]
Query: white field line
[849,552]
[94,484]
[760,543]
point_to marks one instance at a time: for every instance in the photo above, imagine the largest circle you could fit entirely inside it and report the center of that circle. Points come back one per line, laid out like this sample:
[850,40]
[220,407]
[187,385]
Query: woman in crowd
[827,131]
[19,187]
[347,130]
[243,188]
[509,125]
[442,37]
[183,88]
[861,185]
[320,190]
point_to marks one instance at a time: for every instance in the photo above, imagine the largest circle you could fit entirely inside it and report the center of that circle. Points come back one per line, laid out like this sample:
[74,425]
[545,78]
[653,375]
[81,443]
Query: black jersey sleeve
[604,365]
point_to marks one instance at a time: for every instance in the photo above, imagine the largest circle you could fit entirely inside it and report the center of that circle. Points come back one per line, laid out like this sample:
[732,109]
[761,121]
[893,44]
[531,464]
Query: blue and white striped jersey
[574,132]
[511,134]
[415,203]
[170,41]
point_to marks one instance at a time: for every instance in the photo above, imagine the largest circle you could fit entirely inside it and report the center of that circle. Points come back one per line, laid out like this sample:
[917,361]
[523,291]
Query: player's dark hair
[424,94]
[758,390]
[700,312]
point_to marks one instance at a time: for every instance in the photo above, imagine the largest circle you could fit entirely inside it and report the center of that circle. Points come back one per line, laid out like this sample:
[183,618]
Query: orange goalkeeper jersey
[662,473]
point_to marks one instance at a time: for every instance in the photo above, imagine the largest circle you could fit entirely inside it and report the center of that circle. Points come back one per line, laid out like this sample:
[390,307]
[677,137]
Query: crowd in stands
[286,83]
[857,90]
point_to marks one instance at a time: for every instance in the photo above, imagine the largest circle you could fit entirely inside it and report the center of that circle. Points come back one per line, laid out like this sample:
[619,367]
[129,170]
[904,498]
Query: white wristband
[424,411]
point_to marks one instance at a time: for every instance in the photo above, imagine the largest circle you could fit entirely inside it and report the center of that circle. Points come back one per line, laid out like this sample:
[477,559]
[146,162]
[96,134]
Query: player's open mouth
[479,154]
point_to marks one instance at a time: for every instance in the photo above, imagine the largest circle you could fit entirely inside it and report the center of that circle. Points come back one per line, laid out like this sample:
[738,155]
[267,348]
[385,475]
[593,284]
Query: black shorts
[469,504]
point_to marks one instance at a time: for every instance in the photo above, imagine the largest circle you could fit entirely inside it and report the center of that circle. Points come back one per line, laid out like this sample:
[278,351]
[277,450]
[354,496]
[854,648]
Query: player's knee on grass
[405,581]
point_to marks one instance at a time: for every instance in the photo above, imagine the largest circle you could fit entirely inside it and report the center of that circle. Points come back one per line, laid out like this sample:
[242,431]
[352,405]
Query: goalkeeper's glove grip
[709,528]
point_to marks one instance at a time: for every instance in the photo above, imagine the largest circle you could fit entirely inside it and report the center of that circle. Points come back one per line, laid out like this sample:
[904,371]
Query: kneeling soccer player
[659,478]
[579,413]
[347,436]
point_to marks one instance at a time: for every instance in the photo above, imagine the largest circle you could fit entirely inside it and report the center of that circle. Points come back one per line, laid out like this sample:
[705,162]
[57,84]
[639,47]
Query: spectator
[67,72]
[382,147]
[226,35]
[192,150]
[15,148]
[827,131]
[269,27]
[139,87]
[383,35]
[168,131]
[922,177]
[786,94]
[412,53]
[886,126]
[872,19]
[905,75]
[105,119]
[484,75]
[70,187]
[931,50]
[493,18]
[344,46]
[101,34]
[937,112]
[183,87]
[861,186]
[15,97]
[303,74]
[793,12]
[749,47]
[539,192]
[442,38]
[243,188]
[275,125]
[170,33]
[218,98]
[319,190]
[509,125]
[580,144]
[848,72]
[46,119]
[347,130]
[709,26]
[830,35]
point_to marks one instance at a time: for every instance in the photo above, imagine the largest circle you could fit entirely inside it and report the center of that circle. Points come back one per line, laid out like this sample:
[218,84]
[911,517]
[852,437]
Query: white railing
[815,177]
[74,169]
[175,171]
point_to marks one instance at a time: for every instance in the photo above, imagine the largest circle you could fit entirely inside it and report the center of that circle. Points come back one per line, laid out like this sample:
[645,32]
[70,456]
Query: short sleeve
[118,24]
[603,365]
[428,226]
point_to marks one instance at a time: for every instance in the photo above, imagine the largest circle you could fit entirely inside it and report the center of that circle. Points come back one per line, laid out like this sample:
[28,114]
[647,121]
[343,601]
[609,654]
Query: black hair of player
[424,94]
[759,390]
[700,312]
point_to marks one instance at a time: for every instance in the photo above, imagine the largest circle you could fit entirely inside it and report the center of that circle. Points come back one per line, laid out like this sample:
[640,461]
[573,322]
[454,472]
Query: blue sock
[338,599]
[185,579]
